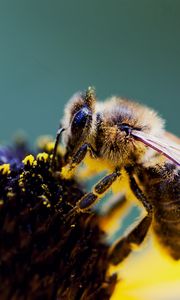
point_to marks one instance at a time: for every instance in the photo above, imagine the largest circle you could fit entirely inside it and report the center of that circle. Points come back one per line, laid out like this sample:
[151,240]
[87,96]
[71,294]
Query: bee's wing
[162,145]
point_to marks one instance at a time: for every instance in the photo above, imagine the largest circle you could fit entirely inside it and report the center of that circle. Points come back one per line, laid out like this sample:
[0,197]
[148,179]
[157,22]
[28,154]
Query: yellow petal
[148,275]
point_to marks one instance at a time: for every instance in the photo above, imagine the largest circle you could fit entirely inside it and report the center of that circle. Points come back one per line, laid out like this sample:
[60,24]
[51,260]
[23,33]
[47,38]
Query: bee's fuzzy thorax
[113,144]
[133,113]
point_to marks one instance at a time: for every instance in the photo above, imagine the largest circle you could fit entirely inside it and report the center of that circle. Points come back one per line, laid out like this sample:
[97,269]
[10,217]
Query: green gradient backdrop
[50,49]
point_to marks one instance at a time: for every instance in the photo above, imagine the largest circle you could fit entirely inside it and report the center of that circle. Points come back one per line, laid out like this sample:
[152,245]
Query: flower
[148,274]
[44,253]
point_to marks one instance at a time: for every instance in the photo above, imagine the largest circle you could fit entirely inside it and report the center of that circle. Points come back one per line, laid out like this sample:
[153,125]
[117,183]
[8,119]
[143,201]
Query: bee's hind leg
[124,246]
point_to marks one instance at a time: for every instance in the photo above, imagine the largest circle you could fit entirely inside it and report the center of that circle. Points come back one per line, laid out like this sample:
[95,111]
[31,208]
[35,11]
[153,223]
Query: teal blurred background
[51,49]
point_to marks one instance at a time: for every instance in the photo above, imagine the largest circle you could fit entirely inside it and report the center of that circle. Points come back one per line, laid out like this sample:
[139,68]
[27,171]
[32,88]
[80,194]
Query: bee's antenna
[58,135]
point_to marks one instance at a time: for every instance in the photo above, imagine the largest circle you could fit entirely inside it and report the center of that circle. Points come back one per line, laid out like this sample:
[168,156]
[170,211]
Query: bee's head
[77,120]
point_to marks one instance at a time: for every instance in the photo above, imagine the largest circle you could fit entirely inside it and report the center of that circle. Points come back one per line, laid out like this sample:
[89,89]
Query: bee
[130,137]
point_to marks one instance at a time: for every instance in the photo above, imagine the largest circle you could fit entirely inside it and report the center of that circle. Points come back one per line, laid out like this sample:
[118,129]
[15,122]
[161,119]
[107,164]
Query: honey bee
[130,137]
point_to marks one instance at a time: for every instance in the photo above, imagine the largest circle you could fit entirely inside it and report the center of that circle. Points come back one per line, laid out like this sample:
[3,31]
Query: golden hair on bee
[130,137]
[117,116]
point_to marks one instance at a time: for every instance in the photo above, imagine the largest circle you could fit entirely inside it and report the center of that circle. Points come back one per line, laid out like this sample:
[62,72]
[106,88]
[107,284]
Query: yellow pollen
[50,146]
[5,169]
[44,186]
[29,159]
[42,141]
[42,156]
[11,194]
[1,202]
[66,172]
[45,201]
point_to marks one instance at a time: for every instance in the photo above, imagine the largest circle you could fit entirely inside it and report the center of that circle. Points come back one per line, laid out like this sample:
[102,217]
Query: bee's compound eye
[80,119]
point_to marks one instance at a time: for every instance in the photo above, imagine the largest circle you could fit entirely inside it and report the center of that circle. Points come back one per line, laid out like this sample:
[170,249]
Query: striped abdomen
[162,188]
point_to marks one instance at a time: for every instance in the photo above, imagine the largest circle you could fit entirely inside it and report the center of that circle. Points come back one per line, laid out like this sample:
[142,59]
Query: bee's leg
[138,193]
[124,246]
[80,155]
[100,188]
[72,161]
[58,135]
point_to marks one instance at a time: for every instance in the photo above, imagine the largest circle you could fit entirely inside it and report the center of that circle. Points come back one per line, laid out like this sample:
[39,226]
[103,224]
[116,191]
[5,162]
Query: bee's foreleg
[100,188]
[74,160]
[58,135]
[80,155]
[124,246]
